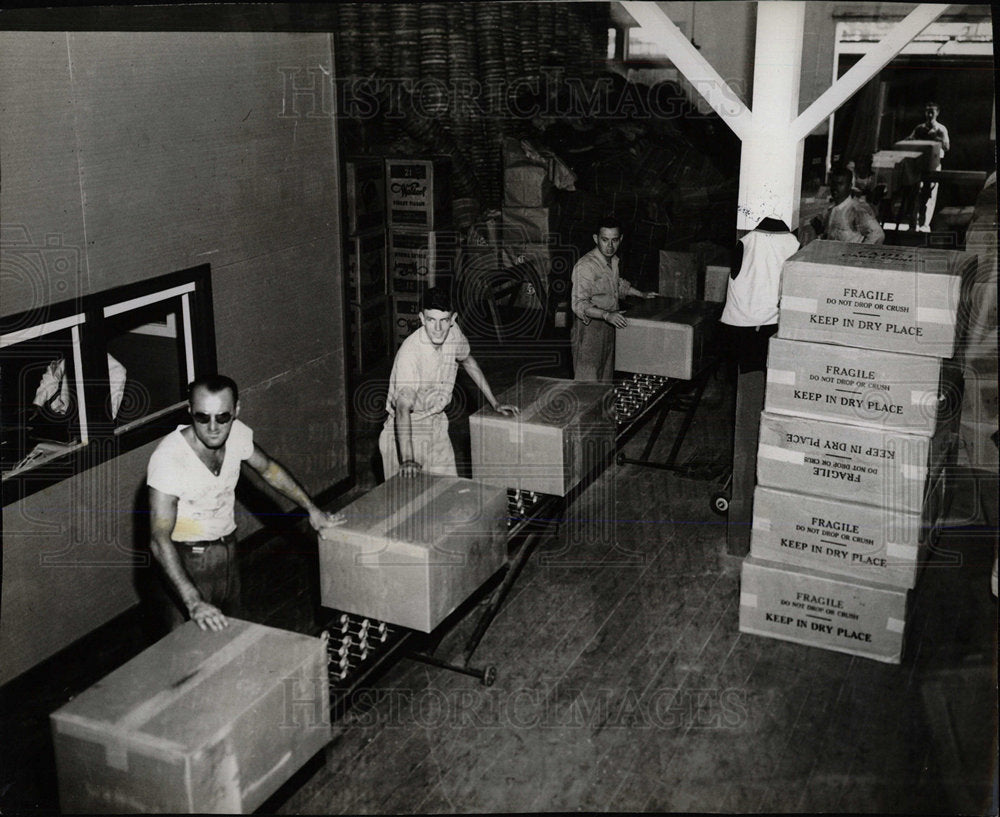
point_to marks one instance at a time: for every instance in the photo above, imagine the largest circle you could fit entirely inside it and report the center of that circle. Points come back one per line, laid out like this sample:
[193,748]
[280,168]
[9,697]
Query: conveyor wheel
[720,503]
[489,676]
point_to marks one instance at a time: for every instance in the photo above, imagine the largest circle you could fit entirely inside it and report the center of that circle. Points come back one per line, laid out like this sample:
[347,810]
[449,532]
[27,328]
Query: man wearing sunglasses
[192,478]
[415,436]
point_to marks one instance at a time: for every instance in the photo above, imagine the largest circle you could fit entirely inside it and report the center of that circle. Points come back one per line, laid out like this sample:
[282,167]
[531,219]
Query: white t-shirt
[752,296]
[205,502]
[426,372]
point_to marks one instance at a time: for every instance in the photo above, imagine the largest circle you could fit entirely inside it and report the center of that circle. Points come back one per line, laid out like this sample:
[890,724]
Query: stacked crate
[861,414]
[422,246]
[365,261]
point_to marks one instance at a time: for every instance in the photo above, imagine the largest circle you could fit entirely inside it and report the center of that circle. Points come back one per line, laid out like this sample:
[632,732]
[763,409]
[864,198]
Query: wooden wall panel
[176,145]
[40,198]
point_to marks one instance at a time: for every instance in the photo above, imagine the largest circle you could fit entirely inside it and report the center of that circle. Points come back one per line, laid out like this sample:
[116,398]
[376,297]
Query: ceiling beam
[866,68]
[695,68]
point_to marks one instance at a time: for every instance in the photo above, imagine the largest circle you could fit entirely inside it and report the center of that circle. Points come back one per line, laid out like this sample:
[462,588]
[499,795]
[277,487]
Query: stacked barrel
[861,416]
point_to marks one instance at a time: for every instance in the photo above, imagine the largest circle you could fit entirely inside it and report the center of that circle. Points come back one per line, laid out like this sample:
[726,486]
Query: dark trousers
[212,568]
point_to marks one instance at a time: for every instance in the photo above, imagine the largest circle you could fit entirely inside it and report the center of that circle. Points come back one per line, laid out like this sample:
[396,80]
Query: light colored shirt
[937,132]
[853,220]
[596,283]
[752,296]
[205,502]
[426,373]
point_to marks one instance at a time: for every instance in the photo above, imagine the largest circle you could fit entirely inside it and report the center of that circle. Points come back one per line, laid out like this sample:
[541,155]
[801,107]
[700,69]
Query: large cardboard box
[716,283]
[527,186]
[413,549]
[823,610]
[669,337]
[366,266]
[870,466]
[896,169]
[907,393]
[199,722]
[365,183]
[420,258]
[930,149]
[899,299]
[565,430]
[864,541]
[678,274]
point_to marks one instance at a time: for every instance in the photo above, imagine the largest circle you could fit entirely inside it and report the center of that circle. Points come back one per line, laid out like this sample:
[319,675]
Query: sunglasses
[203,419]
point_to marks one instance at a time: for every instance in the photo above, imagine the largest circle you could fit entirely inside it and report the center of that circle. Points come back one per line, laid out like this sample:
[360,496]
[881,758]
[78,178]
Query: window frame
[89,318]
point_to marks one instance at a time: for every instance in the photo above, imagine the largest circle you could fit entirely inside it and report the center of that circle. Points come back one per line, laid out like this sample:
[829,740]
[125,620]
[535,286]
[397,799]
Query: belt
[200,545]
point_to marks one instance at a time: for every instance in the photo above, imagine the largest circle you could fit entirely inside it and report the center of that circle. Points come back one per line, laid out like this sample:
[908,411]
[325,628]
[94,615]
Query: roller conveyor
[359,648]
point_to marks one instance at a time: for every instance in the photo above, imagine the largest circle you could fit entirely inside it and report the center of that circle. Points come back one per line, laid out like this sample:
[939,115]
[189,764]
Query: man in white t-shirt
[848,218]
[415,435]
[192,478]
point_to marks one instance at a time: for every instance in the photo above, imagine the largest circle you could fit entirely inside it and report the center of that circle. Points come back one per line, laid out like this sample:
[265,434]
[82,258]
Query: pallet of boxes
[365,261]
[861,415]
[423,246]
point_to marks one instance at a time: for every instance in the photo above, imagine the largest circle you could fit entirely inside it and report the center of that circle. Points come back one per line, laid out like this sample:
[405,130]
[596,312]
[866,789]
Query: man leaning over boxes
[415,435]
[192,478]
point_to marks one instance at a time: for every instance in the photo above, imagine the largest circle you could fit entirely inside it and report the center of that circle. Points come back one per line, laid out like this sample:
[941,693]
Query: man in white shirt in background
[848,218]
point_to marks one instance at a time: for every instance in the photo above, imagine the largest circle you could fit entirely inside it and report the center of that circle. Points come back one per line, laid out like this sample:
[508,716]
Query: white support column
[695,68]
[771,161]
[866,68]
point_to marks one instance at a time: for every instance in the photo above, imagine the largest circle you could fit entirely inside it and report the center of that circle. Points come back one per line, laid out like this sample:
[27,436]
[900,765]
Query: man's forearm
[404,434]
[278,478]
[165,552]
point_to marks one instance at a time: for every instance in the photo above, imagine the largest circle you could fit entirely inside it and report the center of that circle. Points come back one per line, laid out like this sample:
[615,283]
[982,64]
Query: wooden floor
[623,683]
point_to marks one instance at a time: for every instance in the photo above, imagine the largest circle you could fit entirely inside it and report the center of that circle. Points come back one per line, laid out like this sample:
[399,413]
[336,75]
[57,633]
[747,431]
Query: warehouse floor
[623,683]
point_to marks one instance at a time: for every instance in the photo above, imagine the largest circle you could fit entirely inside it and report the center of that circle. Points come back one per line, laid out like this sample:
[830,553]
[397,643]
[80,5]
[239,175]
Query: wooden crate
[564,430]
[865,465]
[847,538]
[907,393]
[897,299]
[413,549]
[366,277]
[823,610]
[669,337]
[419,192]
[419,259]
[199,722]
[364,180]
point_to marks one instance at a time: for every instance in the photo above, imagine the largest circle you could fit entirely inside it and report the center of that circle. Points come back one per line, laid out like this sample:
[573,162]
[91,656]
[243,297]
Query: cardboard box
[930,149]
[369,333]
[526,225]
[527,186]
[887,390]
[413,549]
[666,336]
[564,431]
[869,466]
[822,610]
[898,299]
[716,283]
[678,274]
[365,183]
[199,722]
[419,192]
[366,266]
[423,257]
[896,169]
[847,538]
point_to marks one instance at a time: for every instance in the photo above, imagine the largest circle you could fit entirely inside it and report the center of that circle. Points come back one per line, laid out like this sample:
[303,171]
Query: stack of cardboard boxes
[861,414]
[365,261]
[422,246]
